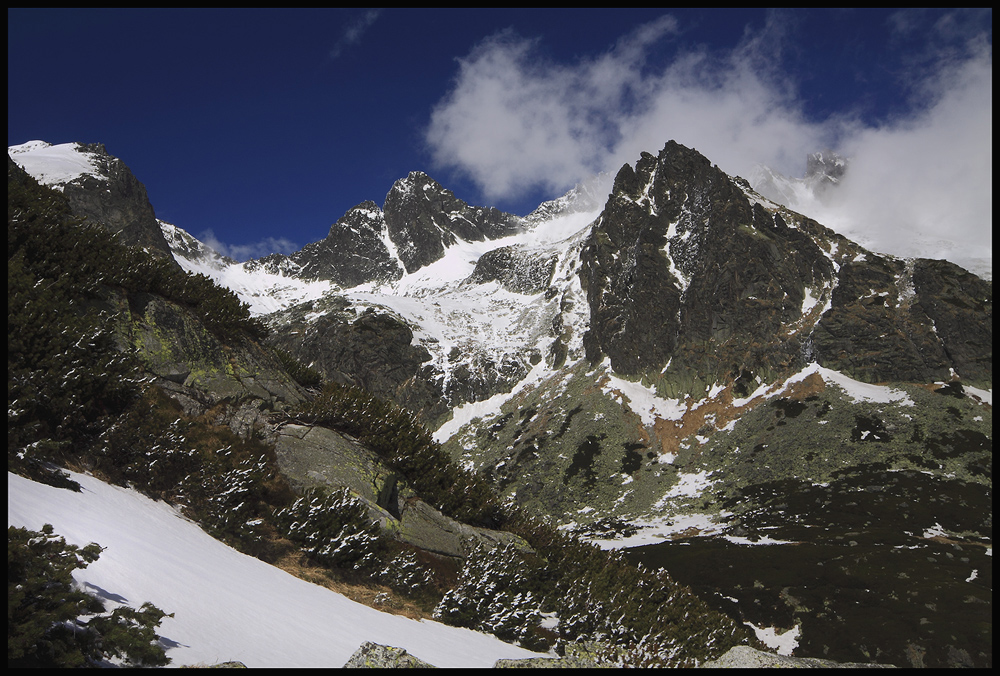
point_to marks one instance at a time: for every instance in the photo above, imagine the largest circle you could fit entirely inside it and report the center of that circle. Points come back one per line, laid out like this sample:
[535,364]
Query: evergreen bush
[334,528]
[495,595]
[304,375]
[408,449]
[51,623]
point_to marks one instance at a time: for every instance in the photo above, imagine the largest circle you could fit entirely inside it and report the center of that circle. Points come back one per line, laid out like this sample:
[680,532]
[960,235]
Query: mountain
[99,187]
[674,359]
[824,171]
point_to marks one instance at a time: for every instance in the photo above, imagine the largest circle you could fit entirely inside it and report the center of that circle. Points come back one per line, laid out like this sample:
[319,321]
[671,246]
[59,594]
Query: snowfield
[226,605]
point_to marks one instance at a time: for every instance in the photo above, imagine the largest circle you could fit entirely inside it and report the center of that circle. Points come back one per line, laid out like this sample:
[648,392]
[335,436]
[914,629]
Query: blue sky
[257,129]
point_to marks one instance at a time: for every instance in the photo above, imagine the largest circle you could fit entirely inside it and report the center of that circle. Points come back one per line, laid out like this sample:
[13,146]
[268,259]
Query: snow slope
[226,605]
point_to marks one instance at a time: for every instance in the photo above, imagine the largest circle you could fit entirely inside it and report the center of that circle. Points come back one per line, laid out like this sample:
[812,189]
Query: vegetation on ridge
[77,398]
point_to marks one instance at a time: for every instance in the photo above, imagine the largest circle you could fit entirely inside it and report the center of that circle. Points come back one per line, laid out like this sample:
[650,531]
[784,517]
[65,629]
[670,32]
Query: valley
[667,364]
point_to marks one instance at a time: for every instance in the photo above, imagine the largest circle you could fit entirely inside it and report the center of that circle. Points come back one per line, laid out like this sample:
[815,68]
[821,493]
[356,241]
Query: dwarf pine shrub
[334,529]
[52,623]
[495,594]
[409,449]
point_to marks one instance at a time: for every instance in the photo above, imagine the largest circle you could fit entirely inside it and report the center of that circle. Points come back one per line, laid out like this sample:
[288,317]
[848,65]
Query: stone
[745,657]
[584,655]
[376,656]
[316,456]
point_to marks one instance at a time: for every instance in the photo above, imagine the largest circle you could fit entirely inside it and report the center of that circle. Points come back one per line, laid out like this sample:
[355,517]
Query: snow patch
[53,165]
[783,642]
[643,401]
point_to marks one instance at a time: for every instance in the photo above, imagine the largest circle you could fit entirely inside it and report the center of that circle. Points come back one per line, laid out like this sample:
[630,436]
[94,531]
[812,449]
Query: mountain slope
[99,187]
[226,605]
[681,356]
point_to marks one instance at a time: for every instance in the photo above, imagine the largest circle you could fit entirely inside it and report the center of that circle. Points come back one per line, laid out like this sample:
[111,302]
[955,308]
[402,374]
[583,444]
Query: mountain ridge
[652,365]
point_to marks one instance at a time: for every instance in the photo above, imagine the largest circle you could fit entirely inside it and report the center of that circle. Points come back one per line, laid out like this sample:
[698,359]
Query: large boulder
[376,656]
[745,657]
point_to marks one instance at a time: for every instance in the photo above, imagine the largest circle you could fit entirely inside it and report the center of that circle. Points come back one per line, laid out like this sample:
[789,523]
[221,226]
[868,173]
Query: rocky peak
[586,196]
[824,170]
[356,250]
[423,219]
[686,266]
[826,164]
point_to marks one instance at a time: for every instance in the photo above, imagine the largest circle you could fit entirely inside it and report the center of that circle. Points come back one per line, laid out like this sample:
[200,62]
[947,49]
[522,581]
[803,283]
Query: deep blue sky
[257,124]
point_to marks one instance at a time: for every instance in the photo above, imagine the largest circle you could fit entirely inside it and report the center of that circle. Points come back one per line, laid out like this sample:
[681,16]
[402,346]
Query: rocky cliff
[105,192]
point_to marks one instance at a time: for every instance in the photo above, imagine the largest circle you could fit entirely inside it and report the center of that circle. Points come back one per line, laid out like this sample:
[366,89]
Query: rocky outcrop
[354,252]
[316,456]
[517,270]
[745,657]
[375,656]
[423,219]
[374,351]
[195,368]
[117,200]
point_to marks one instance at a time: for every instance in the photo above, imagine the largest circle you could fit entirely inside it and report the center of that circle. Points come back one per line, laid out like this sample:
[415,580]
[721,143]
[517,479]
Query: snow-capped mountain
[668,354]
[99,187]
[824,170]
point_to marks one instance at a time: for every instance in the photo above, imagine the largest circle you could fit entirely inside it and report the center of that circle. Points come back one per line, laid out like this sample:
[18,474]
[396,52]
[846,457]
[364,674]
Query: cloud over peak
[516,121]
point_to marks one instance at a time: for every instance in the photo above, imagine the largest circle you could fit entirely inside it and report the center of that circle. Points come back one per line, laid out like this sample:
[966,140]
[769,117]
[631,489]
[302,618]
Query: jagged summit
[824,171]
[423,219]
[672,354]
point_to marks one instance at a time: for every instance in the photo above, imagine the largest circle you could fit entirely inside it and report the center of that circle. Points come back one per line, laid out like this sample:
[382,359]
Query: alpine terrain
[771,434]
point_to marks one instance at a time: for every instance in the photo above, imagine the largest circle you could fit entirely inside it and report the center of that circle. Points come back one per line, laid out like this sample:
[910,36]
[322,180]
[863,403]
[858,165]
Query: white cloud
[243,252]
[354,31]
[923,185]
[515,121]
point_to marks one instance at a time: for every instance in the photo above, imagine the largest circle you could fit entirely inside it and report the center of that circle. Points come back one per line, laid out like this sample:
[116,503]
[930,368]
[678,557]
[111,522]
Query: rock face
[681,261]
[683,267]
[374,350]
[112,196]
[195,368]
[516,270]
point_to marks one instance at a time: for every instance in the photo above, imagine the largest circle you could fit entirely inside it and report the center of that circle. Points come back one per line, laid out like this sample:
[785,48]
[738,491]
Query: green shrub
[305,376]
[495,594]
[408,449]
[46,612]
[334,528]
